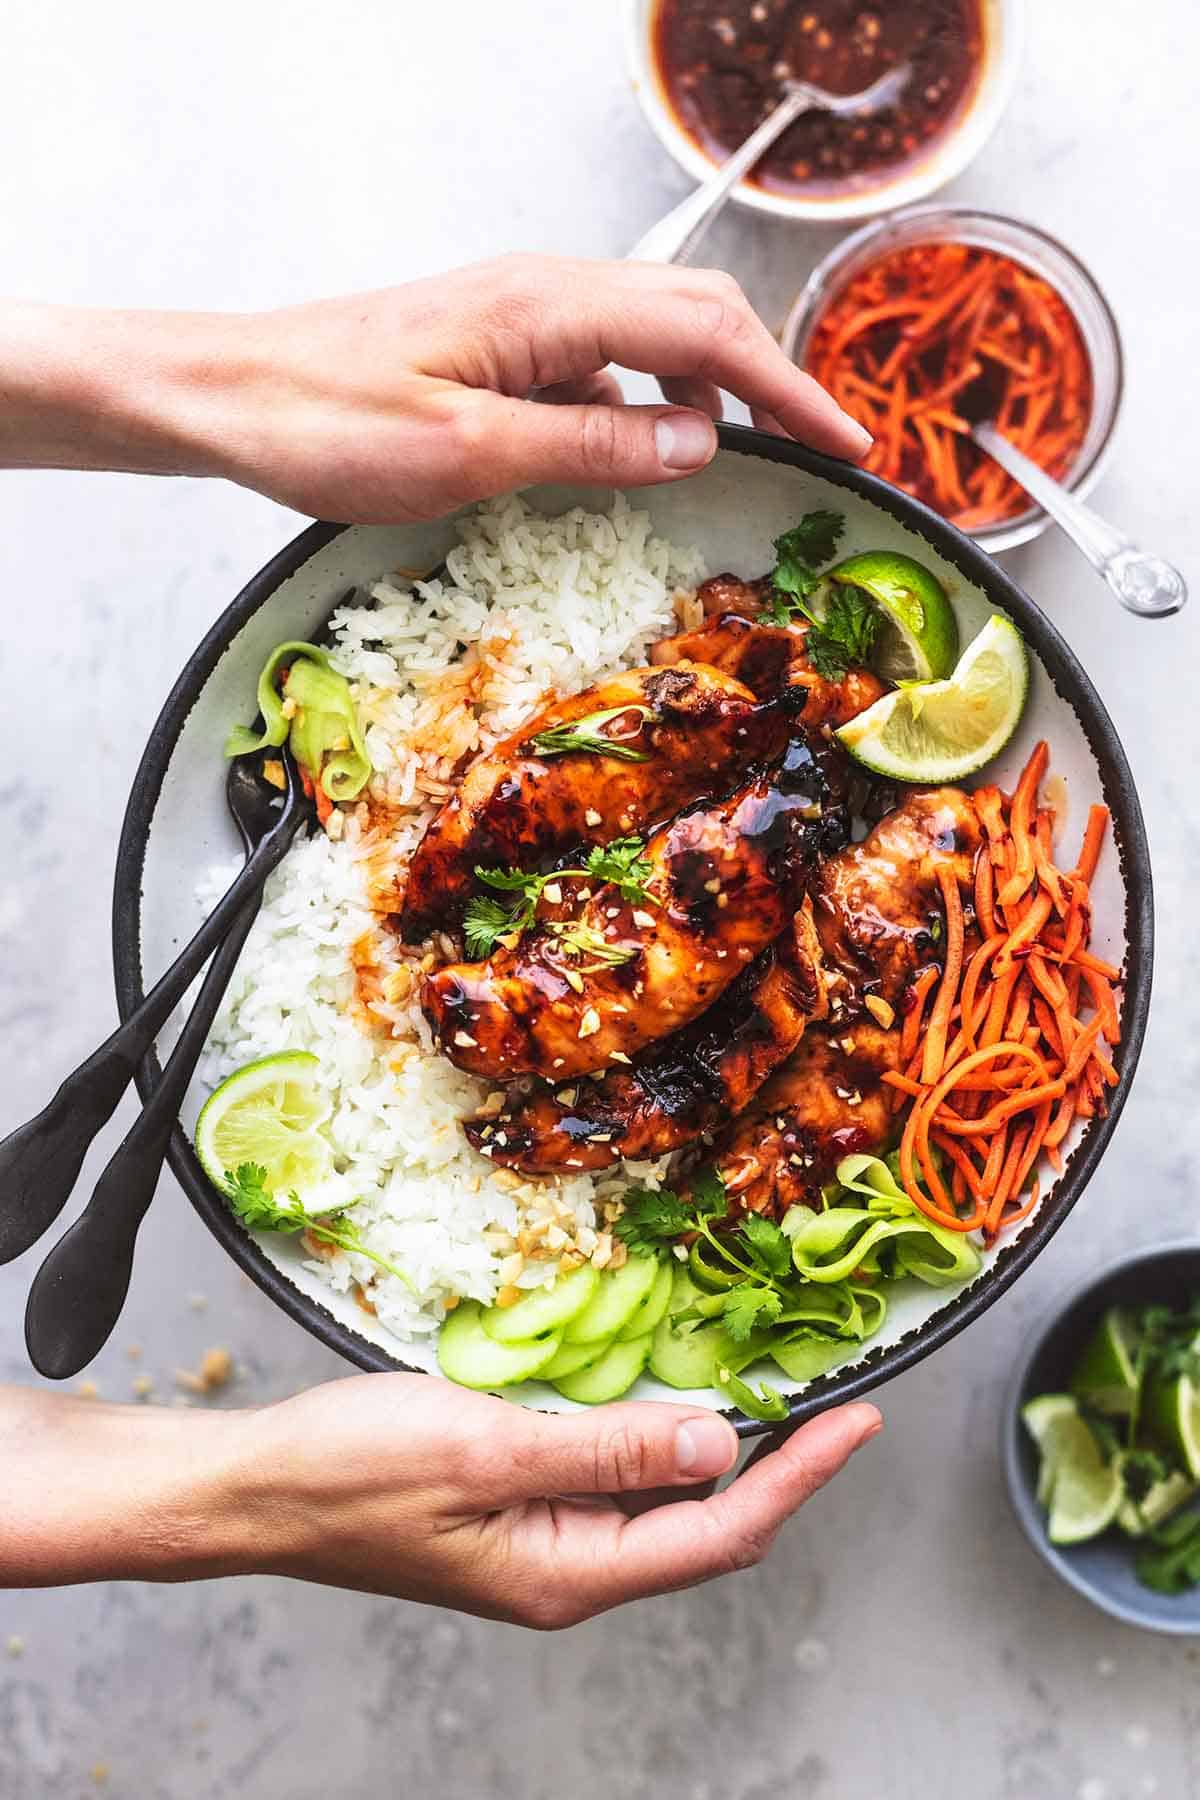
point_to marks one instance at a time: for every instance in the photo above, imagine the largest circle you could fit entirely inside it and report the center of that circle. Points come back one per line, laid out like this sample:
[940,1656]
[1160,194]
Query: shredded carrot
[934,1055]
[1018,1029]
[1020,823]
[1093,837]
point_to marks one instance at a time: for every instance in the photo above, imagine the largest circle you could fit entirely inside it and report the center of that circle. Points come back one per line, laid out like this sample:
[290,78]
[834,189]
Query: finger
[543,321]
[673,323]
[598,389]
[693,1541]
[609,1450]
[685,390]
[504,443]
[765,421]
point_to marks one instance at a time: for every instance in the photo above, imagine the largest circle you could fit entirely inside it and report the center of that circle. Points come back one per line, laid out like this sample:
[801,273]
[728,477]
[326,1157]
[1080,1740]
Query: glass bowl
[1039,252]
[1004,23]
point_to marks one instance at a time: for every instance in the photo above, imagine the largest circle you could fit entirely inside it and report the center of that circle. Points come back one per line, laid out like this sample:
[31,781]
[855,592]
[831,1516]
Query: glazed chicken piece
[697,730]
[826,1102]
[725,881]
[680,1090]
[878,904]
[767,658]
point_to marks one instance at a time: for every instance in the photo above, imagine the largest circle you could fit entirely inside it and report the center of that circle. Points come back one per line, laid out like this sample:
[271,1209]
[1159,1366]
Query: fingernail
[704,1447]
[872,1423]
[684,440]
[862,439]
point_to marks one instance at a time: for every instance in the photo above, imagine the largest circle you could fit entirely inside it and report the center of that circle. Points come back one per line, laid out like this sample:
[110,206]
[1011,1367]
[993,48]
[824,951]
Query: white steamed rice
[529,607]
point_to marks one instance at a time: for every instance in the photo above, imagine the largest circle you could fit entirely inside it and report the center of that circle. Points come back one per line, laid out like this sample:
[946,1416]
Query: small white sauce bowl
[915,180]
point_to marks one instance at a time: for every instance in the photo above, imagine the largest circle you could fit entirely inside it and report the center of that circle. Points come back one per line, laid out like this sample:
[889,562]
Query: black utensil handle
[77,1294]
[40,1161]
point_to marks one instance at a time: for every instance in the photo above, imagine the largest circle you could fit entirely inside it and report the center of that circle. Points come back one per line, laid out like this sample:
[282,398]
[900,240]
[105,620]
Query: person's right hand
[407,402]
[396,1484]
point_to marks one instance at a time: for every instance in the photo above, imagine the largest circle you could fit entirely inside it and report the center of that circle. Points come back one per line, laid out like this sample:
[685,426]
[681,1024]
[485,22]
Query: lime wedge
[1163,1499]
[1046,1419]
[1086,1492]
[1105,1377]
[1171,1411]
[918,636]
[268,1113]
[943,730]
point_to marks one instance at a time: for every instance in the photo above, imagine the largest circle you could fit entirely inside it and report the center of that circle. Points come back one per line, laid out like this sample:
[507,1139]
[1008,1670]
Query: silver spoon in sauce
[1144,584]
[678,234]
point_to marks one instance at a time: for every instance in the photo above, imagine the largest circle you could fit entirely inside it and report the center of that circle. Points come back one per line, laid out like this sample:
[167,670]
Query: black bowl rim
[1023,1505]
[1070,681]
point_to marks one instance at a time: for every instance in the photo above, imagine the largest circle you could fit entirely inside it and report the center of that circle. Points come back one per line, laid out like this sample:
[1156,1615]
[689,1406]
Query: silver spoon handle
[677,235]
[1145,584]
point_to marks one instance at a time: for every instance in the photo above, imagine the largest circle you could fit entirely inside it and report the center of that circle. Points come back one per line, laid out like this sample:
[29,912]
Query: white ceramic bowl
[1004,22]
[176,828]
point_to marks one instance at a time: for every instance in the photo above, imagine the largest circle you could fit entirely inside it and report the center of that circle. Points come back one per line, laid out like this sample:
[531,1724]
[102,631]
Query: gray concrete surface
[902,1641]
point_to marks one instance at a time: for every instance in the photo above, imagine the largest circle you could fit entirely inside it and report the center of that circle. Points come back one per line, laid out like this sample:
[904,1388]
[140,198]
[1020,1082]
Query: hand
[396,1484]
[405,403]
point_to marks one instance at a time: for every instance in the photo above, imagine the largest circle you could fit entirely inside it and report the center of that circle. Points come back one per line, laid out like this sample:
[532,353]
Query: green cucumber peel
[323,733]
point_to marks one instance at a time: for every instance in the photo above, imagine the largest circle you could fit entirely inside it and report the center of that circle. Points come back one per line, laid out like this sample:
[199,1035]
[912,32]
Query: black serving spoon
[78,1292]
[40,1161]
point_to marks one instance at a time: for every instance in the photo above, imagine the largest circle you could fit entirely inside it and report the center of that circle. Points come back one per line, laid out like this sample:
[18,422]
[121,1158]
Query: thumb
[523,441]
[619,1448]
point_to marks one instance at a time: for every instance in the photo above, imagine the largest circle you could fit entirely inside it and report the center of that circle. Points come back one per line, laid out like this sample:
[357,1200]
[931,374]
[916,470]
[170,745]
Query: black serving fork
[40,1161]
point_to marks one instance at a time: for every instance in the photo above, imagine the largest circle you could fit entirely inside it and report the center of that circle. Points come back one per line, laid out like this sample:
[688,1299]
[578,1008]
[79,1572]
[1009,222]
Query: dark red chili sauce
[723,63]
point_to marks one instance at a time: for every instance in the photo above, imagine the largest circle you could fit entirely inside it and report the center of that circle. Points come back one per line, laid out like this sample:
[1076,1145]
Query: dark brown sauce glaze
[723,63]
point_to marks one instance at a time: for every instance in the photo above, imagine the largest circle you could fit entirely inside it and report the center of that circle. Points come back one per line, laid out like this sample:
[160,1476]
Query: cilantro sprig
[799,554]
[488,919]
[261,1209]
[753,1263]
[844,624]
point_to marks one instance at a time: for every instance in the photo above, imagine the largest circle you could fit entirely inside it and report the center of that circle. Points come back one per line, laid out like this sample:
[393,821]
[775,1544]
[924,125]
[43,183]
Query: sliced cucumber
[686,1358]
[652,1307]
[620,1293]
[467,1354]
[608,1378]
[573,1357]
[543,1309]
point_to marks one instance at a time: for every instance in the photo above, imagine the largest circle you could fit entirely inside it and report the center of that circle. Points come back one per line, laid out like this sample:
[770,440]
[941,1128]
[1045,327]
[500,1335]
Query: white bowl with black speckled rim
[176,827]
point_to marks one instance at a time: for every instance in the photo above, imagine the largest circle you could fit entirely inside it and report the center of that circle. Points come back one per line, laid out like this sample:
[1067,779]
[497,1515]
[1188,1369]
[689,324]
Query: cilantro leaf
[813,541]
[708,1195]
[623,865]
[511,881]
[768,1246]
[1141,1470]
[748,1308]
[1170,1562]
[651,1220]
[845,633]
[485,922]
[799,553]
[260,1209]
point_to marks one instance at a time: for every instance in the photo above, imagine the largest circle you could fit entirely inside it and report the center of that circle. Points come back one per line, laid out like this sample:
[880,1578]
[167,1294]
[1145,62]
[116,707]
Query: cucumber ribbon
[885,1237]
[324,733]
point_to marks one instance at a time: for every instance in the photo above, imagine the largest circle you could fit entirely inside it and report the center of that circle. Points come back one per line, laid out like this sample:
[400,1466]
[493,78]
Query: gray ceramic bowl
[1101,1571]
